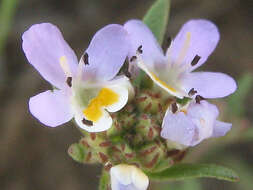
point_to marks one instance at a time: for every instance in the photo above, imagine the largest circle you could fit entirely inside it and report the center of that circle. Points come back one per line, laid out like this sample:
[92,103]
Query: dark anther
[87,122]
[133,58]
[174,107]
[69,81]
[192,92]
[199,98]
[195,60]
[169,41]
[140,49]
[86,59]
[127,73]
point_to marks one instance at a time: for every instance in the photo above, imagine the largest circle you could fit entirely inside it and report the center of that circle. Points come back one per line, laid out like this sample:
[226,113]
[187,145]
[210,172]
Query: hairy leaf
[185,171]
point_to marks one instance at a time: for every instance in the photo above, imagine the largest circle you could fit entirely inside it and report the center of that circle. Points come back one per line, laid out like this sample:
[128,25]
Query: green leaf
[236,102]
[186,171]
[157,18]
[190,184]
[104,181]
[7,11]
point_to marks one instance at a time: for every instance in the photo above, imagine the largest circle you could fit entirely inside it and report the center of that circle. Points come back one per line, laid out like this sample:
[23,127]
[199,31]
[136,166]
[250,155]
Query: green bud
[147,126]
[151,154]
[81,153]
[148,102]
[77,152]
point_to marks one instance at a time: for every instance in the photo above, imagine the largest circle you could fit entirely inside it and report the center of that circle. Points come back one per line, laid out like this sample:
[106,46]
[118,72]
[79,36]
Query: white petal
[122,92]
[139,179]
[103,124]
[121,174]
[128,177]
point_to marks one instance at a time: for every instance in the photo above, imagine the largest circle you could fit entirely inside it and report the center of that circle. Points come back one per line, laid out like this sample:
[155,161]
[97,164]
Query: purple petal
[209,84]
[106,53]
[204,38]
[140,34]
[43,45]
[178,128]
[51,108]
[205,110]
[203,115]
[221,128]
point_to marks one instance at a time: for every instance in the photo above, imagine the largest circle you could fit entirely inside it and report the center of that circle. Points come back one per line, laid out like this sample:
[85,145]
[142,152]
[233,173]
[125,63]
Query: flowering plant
[139,110]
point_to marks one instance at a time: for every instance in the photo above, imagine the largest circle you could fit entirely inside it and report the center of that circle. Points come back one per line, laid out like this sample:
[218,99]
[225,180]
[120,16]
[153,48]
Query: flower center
[105,97]
[157,79]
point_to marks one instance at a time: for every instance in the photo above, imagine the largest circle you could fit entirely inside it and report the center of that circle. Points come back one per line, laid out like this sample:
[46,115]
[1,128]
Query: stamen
[69,81]
[139,50]
[87,122]
[185,48]
[168,52]
[84,61]
[195,60]
[127,73]
[86,58]
[192,92]
[64,65]
[174,107]
[133,58]
[199,98]
[125,69]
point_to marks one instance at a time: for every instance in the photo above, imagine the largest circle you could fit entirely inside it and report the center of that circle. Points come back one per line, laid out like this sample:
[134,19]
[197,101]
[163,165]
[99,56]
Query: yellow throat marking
[154,77]
[63,61]
[105,97]
[162,82]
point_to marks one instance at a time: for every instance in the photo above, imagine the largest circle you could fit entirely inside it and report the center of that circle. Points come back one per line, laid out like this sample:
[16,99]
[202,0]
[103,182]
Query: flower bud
[151,154]
[81,153]
[147,127]
[128,177]
[148,102]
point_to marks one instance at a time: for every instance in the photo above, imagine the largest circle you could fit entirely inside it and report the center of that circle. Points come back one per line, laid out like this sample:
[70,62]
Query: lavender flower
[128,177]
[192,123]
[85,91]
[196,40]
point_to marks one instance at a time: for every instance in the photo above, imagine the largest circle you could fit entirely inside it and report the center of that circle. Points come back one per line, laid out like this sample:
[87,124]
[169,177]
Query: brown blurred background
[35,157]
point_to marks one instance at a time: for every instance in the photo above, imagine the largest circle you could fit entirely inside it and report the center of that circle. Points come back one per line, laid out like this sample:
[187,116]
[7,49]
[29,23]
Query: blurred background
[35,157]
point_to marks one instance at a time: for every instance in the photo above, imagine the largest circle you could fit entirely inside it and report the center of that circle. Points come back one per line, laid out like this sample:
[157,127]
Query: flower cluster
[127,127]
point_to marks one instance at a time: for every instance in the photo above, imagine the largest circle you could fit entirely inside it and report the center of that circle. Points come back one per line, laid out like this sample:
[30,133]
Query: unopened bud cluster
[133,139]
